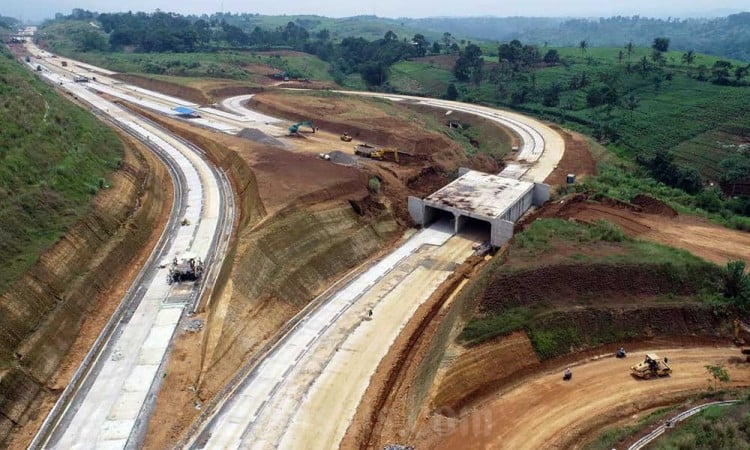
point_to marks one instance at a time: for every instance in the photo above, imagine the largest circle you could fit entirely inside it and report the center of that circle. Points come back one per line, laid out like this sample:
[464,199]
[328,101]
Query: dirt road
[546,412]
[698,236]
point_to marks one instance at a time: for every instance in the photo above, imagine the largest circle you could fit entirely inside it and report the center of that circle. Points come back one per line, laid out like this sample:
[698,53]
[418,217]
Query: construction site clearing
[475,201]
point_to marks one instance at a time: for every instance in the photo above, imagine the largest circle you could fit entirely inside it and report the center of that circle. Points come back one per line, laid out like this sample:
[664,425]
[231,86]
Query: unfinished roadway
[321,368]
[111,392]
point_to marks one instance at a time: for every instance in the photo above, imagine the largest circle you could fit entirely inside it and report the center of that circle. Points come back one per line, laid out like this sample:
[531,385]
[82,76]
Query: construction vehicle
[652,366]
[620,353]
[567,375]
[346,138]
[741,327]
[294,129]
[188,268]
[64,63]
[376,153]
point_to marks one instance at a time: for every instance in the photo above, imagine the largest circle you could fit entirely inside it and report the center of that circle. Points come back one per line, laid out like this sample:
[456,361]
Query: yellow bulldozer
[652,366]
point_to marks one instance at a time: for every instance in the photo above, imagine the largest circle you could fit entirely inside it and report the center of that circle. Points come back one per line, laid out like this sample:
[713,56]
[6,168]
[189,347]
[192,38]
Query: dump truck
[652,366]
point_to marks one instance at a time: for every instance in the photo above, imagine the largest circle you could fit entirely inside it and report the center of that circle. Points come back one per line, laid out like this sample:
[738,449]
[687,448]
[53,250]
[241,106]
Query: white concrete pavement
[104,414]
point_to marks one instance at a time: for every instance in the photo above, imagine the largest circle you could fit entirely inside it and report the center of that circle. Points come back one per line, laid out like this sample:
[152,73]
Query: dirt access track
[651,220]
[547,412]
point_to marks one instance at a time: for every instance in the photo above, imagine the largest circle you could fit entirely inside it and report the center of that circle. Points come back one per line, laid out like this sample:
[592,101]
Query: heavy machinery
[346,138]
[741,328]
[652,366]
[64,63]
[188,268]
[375,153]
[294,129]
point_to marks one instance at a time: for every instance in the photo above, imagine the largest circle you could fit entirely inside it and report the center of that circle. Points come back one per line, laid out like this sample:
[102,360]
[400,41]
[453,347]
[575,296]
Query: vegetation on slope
[54,157]
[714,427]
[573,251]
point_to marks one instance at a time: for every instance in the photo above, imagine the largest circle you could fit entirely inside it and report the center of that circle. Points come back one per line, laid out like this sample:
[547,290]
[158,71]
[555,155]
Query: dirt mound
[256,135]
[650,205]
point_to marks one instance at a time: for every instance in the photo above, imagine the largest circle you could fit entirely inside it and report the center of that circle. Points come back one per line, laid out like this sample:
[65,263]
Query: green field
[719,427]
[421,78]
[54,156]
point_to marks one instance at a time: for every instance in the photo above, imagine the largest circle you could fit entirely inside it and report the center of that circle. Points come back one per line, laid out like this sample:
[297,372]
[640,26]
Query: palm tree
[629,48]
[583,45]
[688,57]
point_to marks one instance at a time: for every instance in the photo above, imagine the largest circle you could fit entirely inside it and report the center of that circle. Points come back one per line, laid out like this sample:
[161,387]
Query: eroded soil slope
[299,231]
[52,315]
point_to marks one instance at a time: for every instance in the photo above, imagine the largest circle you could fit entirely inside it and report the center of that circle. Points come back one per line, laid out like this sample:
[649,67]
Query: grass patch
[484,329]
[53,155]
[610,438]
[714,427]
[540,236]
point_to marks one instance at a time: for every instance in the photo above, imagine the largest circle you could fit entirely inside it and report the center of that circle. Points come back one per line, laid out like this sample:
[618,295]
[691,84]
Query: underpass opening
[434,216]
[475,229]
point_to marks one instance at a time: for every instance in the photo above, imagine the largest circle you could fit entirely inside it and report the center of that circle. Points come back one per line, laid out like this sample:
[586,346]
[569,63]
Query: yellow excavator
[741,328]
[381,152]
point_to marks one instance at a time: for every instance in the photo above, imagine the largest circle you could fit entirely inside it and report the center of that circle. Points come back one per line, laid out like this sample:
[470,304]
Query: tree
[552,56]
[583,45]
[661,44]
[552,95]
[629,48]
[718,375]
[436,48]
[721,72]
[736,281]
[374,185]
[390,36]
[451,93]
[620,55]
[688,57]
[447,39]
[740,72]
[631,101]
[469,64]
[420,44]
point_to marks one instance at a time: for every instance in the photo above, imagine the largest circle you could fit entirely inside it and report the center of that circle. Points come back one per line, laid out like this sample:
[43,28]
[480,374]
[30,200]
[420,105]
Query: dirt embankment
[52,315]
[649,219]
[299,232]
[429,158]
[165,87]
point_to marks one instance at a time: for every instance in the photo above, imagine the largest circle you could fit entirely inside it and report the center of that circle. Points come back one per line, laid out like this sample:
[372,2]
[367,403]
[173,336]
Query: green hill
[54,156]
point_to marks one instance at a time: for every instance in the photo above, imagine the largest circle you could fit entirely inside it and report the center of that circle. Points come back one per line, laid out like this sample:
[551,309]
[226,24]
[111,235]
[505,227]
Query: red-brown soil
[698,236]
[577,158]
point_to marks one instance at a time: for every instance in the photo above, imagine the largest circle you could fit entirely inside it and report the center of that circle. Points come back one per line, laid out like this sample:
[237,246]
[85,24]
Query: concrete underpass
[477,201]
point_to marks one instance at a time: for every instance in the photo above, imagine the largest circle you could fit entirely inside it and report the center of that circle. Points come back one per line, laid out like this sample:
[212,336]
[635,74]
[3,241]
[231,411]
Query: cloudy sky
[38,9]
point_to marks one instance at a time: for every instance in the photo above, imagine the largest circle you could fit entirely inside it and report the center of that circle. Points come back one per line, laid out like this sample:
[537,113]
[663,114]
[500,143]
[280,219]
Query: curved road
[546,412]
[111,393]
[321,368]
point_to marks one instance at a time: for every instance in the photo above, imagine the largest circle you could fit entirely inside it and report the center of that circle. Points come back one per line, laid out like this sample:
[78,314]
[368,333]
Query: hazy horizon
[44,9]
